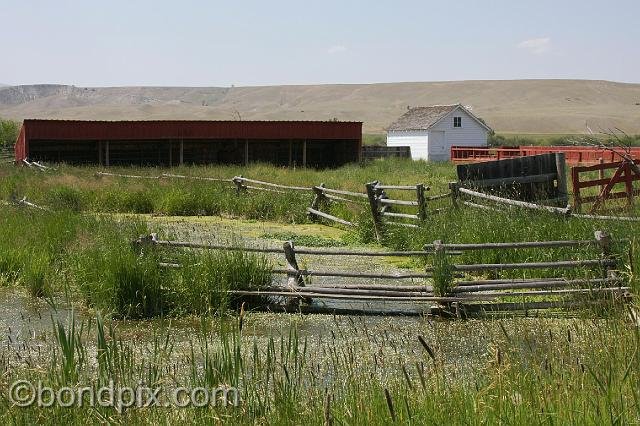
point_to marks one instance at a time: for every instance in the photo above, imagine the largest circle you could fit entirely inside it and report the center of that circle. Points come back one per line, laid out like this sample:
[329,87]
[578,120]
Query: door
[437,146]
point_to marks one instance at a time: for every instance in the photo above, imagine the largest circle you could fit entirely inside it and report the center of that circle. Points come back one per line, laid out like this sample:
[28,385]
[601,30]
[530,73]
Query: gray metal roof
[421,118]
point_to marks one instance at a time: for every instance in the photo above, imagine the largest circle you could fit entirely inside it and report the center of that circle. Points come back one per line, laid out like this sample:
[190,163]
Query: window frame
[457,119]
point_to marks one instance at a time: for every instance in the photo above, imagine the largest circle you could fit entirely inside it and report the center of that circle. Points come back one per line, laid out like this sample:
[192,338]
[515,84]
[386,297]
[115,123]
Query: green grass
[572,372]
[374,139]
[350,371]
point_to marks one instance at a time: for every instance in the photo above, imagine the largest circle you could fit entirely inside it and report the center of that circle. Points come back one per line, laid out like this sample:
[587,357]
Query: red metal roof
[183,129]
[81,130]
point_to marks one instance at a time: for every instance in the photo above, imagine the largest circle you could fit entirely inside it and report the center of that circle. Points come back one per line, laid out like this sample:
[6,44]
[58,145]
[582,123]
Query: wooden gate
[624,174]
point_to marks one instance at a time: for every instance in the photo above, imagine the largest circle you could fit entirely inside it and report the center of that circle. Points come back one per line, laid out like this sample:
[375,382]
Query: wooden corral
[467,296]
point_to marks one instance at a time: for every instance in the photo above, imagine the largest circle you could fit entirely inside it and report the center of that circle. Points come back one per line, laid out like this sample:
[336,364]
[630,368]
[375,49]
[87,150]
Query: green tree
[9,130]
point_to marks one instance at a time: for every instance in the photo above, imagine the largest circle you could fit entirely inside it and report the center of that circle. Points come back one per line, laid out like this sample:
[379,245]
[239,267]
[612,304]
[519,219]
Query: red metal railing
[574,155]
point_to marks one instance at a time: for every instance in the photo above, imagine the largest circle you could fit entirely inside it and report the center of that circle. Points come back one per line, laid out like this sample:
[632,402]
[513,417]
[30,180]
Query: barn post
[561,170]
[106,154]
[246,152]
[181,151]
[290,152]
[304,153]
[100,153]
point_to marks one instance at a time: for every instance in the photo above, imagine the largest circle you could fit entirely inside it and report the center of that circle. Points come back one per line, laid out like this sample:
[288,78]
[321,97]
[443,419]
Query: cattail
[427,348]
[392,412]
[328,420]
[406,376]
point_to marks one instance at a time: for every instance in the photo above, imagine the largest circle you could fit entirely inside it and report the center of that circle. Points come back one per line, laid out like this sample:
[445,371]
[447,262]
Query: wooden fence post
[373,204]
[294,278]
[601,172]
[561,169]
[604,242]
[575,181]
[317,199]
[422,204]
[454,186]
[628,182]
[237,180]
[144,241]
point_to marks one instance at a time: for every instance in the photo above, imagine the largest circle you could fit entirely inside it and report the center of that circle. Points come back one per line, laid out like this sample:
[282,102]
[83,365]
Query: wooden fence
[465,296]
[624,174]
[536,178]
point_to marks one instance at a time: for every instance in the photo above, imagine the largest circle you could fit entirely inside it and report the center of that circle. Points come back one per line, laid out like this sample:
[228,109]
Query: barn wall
[417,140]
[470,134]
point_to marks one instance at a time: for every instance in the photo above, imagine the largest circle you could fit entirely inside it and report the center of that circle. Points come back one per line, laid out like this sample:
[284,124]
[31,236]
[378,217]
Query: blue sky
[220,43]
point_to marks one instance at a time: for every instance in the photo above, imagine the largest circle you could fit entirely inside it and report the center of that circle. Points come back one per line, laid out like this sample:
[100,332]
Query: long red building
[171,142]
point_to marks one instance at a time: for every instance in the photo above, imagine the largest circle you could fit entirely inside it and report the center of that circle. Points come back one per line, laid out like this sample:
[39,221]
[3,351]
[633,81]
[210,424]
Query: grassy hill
[512,106]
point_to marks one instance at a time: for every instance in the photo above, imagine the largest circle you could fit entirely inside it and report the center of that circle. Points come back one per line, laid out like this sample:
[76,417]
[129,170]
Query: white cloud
[537,46]
[336,49]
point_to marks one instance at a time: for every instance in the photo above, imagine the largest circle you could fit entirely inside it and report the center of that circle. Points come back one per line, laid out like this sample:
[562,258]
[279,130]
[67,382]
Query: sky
[248,43]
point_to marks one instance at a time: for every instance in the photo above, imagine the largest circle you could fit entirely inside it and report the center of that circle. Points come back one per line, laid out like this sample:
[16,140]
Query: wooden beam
[106,154]
[181,152]
[246,152]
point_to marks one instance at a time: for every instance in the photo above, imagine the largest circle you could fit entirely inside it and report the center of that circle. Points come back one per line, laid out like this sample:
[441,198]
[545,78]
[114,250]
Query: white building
[431,131]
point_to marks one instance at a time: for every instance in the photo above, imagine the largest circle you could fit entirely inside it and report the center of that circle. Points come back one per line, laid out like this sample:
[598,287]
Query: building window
[457,121]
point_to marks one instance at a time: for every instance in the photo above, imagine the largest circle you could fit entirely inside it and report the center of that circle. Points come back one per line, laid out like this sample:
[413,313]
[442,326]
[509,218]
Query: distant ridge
[521,106]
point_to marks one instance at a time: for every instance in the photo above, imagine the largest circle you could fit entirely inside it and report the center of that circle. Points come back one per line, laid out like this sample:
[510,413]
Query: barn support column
[304,153]
[100,153]
[181,152]
[170,153]
[106,154]
[246,152]
[290,152]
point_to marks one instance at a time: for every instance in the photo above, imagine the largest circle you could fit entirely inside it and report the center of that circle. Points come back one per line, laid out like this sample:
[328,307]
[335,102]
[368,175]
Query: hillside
[521,106]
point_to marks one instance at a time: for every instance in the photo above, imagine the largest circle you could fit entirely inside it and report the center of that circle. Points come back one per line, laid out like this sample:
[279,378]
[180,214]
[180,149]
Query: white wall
[470,134]
[417,140]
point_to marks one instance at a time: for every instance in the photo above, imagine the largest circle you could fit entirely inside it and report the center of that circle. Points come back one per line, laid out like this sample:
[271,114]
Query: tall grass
[94,260]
